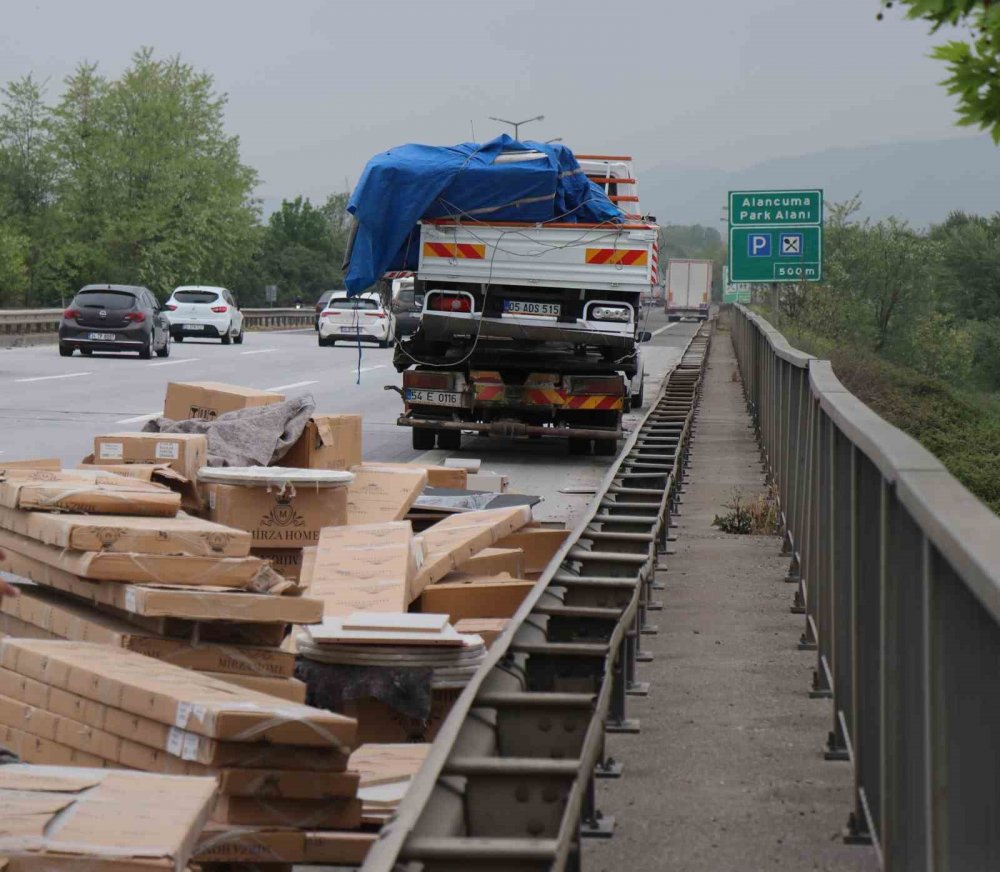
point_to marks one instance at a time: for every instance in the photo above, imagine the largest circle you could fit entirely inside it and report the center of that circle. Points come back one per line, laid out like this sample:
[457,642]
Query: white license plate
[520,307]
[102,337]
[350,329]
[433,398]
[194,326]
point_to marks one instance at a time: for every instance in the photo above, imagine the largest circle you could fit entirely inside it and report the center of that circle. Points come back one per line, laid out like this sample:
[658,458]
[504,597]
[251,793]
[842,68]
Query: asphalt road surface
[53,407]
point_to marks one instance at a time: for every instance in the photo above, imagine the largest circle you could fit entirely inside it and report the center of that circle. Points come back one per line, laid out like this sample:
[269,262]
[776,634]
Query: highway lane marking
[668,327]
[370,368]
[175,362]
[289,387]
[38,378]
[259,351]
[140,418]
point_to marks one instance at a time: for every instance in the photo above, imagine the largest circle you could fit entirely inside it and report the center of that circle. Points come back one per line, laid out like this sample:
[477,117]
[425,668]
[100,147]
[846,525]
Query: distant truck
[689,289]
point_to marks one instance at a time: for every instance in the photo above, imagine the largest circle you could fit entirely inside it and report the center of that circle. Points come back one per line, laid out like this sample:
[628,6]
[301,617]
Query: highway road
[53,407]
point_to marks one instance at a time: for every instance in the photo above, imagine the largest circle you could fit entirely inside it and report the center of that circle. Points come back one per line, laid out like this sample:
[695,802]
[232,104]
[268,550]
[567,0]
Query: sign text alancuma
[776,236]
[753,208]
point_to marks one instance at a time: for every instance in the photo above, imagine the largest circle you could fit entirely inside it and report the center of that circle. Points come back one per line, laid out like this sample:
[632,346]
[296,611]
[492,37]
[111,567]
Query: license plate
[433,398]
[520,307]
[350,329]
[101,337]
[194,326]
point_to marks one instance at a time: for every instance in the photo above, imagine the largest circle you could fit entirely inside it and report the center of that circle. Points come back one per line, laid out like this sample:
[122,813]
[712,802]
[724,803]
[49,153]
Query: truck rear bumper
[447,325]
[511,428]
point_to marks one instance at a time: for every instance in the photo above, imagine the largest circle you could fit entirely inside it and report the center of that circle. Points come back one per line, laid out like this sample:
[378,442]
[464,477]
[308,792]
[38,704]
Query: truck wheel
[423,439]
[450,440]
[606,447]
[578,446]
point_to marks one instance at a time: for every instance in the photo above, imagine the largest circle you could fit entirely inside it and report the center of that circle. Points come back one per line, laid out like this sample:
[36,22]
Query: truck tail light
[418,378]
[610,313]
[450,303]
[71,313]
[220,309]
[596,384]
[136,317]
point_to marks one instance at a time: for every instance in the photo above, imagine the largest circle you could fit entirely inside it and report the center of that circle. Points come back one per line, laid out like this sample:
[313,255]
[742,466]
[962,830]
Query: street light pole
[517,124]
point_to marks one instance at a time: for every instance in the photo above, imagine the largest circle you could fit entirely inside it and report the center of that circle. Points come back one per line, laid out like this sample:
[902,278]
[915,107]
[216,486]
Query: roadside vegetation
[753,515]
[911,322]
[136,180]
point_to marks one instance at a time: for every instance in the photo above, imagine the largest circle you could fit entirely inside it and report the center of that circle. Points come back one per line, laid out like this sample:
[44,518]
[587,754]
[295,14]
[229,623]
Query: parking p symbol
[759,245]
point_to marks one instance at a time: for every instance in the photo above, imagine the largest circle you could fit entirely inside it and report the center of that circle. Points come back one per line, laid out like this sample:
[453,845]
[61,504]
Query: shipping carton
[338,813]
[17,628]
[34,749]
[50,463]
[486,628]
[278,519]
[91,493]
[190,701]
[475,597]
[437,476]
[60,617]
[328,442]
[286,688]
[364,568]
[183,535]
[239,572]
[190,603]
[493,561]
[380,494]
[208,400]
[286,561]
[263,845]
[100,820]
[157,473]
[380,723]
[185,453]
[539,545]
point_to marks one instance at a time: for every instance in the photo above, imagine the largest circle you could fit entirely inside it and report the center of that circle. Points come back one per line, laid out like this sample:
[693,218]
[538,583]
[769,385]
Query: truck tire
[605,447]
[449,440]
[423,439]
[578,446]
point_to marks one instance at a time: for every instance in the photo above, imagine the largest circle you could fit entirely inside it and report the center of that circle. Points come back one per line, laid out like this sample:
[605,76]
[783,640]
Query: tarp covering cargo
[405,184]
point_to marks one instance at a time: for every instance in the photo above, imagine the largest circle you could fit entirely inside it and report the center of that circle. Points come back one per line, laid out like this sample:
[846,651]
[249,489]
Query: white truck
[531,329]
[689,289]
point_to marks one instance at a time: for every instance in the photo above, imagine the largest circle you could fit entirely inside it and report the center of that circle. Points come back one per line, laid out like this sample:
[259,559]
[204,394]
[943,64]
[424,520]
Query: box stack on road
[176,617]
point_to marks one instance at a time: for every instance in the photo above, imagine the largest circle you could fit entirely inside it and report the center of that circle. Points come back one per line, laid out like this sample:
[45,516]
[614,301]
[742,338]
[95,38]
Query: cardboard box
[208,400]
[487,628]
[128,739]
[328,442]
[190,604]
[336,814]
[41,463]
[229,844]
[178,697]
[311,783]
[185,453]
[364,569]
[475,597]
[286,688]
[488,481]
[18,628]
[380,723]
[157,473]
[92,493]
[59,617]
[539,545]
[183,535]
[34,749]
[380,494]
[112,820]
[454,540]
[239,572]
[493,561]
[437,476]
[274,519]
[286,561]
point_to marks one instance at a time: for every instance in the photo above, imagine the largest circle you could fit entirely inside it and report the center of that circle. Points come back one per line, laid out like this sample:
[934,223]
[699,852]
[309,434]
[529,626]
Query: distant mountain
[919,181]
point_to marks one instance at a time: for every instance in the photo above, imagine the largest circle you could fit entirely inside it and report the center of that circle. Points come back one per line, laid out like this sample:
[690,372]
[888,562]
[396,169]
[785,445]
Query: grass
[754,516]
[960,427]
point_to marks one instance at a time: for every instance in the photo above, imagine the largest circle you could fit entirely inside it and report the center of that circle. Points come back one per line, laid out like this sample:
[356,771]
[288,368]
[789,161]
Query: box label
[112,451]
[167,450]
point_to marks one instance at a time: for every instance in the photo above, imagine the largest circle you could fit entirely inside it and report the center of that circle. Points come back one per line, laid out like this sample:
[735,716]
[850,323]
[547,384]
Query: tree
[973,65]
[13,264]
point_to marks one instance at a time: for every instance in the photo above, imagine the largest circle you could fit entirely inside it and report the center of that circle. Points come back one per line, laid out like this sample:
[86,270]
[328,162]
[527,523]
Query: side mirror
[645,336]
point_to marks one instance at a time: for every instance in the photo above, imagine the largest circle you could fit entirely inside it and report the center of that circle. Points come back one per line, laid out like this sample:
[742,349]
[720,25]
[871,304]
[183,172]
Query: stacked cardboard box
[276,762]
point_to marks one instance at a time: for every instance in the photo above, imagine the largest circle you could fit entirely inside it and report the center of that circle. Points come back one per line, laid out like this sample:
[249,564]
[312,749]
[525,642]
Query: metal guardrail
[898,568]
[31,322]
[509,781]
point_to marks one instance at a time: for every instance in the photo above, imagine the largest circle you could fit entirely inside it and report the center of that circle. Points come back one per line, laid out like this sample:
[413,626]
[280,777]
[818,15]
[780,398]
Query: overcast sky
[315,88]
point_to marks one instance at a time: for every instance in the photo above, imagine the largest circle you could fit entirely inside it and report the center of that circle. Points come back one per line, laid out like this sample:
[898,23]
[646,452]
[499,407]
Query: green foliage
[13,264]
[694,241]
[757,515]
[973,65]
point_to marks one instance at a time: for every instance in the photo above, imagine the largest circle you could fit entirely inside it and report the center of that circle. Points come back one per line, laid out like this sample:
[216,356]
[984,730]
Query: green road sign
[756,208]
[775,236]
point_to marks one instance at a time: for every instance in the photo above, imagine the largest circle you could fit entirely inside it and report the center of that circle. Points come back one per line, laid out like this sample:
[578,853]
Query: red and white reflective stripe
[656,264]
[399,274]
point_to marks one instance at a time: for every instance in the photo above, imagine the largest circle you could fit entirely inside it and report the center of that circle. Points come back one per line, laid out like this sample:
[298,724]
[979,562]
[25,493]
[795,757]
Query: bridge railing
[33,322]
[898,567]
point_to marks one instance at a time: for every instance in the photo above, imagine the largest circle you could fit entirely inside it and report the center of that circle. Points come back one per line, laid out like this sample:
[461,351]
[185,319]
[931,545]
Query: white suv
[197,310]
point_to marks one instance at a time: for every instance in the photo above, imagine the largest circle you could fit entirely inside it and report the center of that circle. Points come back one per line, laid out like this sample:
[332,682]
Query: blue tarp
[405,184]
